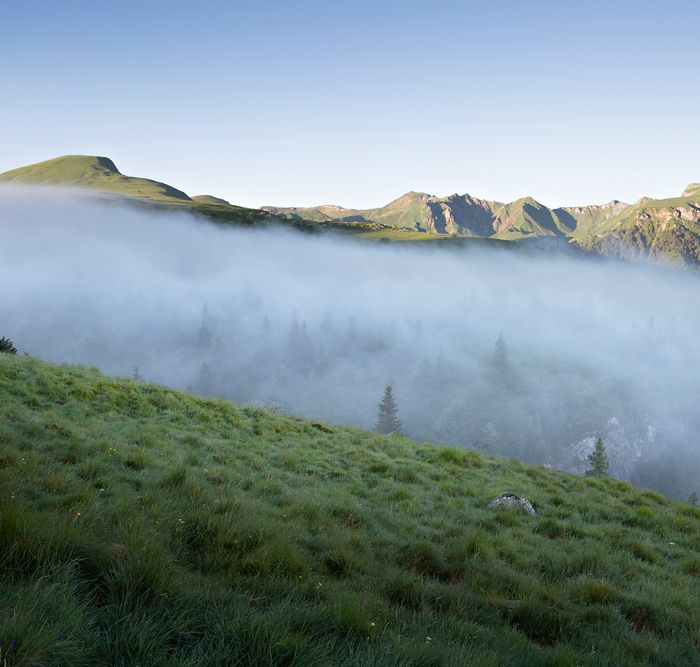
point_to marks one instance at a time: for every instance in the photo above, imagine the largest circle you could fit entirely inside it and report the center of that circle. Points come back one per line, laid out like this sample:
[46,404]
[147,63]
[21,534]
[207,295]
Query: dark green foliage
[693,499]
[7,346]
[598,460]
[387,416]
[143,526]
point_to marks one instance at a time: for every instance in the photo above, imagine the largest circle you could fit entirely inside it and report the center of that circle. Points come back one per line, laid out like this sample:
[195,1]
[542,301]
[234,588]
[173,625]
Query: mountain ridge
[667,230]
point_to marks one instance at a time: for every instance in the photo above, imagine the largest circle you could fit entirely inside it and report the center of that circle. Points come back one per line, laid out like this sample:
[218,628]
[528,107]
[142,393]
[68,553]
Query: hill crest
[92,171]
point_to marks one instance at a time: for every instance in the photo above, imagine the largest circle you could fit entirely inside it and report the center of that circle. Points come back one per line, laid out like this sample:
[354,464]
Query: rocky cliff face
[668,230]
[462,215]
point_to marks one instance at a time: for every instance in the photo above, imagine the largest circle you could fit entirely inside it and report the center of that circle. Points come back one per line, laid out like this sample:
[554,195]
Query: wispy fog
[318,325]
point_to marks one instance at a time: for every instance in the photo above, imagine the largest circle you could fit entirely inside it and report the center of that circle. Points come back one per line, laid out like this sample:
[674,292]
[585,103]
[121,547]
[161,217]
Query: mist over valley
[317,325]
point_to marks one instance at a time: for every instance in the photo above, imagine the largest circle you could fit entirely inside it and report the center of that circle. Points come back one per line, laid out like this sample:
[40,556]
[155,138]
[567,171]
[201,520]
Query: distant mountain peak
[412,194]
[525,201]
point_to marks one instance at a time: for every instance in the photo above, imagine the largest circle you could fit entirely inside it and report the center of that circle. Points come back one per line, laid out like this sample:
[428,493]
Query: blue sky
[301,103]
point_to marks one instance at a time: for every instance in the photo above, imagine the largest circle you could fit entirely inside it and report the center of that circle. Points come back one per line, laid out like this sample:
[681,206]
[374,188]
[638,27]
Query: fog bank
[319,325]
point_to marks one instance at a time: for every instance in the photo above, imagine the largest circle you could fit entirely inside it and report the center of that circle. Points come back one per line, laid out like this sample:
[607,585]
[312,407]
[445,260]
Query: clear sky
[355,103]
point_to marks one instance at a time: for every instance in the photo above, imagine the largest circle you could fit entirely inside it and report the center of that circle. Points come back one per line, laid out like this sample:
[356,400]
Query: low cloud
[319,324]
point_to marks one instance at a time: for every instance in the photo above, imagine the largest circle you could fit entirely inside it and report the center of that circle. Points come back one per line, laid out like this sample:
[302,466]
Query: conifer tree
[387,417]
[7,346]
[693,499]
[598,460]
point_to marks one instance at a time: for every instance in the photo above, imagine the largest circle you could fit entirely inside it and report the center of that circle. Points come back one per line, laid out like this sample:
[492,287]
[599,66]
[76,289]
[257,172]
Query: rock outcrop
[510,501]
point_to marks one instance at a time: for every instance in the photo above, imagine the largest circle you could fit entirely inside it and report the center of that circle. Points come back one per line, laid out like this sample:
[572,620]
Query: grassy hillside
[525,218]
[91,171]
[101,174]
[142,526]
[210,199]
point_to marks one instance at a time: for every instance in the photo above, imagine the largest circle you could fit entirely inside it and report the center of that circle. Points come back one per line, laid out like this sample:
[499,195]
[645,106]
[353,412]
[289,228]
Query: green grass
[143,526]
[92,172]
[209,199]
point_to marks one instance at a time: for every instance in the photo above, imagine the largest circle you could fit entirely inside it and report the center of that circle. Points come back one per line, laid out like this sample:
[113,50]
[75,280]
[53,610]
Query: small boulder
[510,501]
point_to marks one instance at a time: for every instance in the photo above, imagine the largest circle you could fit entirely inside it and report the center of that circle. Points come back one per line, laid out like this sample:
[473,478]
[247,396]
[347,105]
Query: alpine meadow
[325,413]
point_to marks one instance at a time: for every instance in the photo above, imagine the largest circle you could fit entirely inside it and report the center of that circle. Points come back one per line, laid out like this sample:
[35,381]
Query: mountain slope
[92,172]
[583,220]
[101,174]
[140,525]
[525,218]
[210,199]
[414,211]
[668,229]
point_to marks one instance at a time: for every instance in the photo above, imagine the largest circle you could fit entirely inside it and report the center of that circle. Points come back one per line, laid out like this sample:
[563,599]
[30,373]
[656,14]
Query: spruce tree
[598,460]
[387,417]
[7,346]
[693,499]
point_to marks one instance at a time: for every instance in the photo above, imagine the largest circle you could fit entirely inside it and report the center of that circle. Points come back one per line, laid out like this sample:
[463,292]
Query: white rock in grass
[511,502]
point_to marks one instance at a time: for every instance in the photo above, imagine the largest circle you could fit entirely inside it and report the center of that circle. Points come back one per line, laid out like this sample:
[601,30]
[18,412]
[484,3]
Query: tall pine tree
[387,416]
[598,460]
